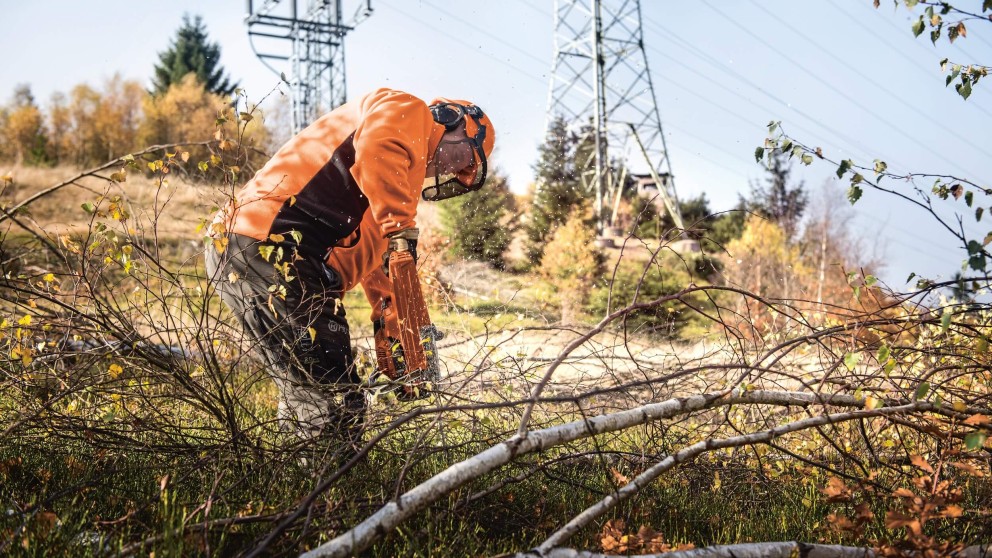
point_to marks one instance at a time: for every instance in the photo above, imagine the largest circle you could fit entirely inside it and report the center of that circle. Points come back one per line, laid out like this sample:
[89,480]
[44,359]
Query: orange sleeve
[378,287]
[391,143]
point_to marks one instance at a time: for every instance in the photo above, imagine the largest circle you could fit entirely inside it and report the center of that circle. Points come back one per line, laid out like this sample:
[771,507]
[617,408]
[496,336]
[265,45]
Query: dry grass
[171,208]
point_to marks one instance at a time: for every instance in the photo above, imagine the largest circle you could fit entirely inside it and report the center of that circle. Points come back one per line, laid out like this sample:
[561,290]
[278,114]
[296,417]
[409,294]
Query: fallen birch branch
[419,497]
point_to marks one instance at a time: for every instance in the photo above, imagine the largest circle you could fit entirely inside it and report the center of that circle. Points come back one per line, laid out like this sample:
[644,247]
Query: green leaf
[870,280]
[857,178]
[977,262]
[945,322]
[978,213]
[203,166]
[910,278]
[786,145]
[922,391]
[883,353]
[974,247]
[964,88]
[889,366]
[880,166]
[975,440]
[807,159]
[851,360]
[969,197]
[266,251]
[844,166]
[772,126]
[759,152]
[854,194]
[917,26]
[88,207]
[912,4]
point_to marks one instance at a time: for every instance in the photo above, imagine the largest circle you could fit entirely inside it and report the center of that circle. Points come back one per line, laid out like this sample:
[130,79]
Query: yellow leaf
[233,277]
[48,277]
[184,156]
[225,145]
[959,406]
[220,244]
[292,201]
[25,321]
[277,238]
[313,334]
[115,370]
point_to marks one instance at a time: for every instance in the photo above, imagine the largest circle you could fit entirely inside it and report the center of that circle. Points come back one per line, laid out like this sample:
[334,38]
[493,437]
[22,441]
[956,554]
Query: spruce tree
[189,52]
[477,223]
[779,200]
[559,188]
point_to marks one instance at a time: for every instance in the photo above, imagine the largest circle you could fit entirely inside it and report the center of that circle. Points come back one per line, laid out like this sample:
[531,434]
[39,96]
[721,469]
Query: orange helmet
[480,135]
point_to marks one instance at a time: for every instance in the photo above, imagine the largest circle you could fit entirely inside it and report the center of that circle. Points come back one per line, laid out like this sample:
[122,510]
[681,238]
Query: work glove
[405,240]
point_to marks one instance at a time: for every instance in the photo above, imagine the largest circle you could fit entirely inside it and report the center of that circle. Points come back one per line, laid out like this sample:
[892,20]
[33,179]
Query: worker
[319,219]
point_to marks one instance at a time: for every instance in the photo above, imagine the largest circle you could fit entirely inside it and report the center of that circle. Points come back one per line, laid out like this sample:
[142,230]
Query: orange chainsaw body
[414,362]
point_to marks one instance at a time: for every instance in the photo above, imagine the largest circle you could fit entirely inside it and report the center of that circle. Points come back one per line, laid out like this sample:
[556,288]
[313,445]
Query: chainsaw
[411,360]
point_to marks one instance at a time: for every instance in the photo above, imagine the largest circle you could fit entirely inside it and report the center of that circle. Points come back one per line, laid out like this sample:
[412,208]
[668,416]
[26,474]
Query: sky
[838,74]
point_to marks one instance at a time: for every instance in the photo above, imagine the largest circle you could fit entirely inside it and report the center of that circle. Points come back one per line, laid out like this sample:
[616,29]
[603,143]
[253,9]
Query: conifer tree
[477,223]
[559,188]
[190,52]
[779,200]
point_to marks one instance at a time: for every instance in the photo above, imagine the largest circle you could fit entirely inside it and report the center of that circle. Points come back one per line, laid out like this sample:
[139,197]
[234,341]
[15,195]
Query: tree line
[90,125]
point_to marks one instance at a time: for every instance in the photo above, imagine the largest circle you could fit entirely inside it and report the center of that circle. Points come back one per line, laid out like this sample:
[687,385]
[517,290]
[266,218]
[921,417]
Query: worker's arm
[391,145]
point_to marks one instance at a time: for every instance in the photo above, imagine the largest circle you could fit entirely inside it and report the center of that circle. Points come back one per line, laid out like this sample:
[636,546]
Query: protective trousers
[291,309]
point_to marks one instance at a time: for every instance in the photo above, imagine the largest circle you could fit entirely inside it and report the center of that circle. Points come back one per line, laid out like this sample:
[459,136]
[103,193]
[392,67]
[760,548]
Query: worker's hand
[405,240]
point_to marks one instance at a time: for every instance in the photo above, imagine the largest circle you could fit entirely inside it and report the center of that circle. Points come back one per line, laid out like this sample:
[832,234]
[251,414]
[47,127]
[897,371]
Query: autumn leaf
[220,244]
[619,477]
[977,419]
[836,490]
[903,493]
[921,463]
[895,520]
[968,468]
[953,511]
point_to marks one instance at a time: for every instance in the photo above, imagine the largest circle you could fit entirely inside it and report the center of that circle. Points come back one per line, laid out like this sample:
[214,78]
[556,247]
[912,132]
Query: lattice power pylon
[600,84]
[303,41]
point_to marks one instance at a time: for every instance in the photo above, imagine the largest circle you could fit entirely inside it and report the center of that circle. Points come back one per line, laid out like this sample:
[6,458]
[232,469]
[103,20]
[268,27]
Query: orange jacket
[344,183]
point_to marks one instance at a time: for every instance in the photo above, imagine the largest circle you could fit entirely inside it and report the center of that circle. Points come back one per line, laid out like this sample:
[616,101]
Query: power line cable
[892,95]
[839,92]
[846,140]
